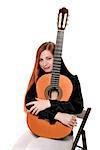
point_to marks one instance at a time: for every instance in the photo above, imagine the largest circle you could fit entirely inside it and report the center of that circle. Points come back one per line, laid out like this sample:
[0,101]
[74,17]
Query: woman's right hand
[36,106]
[66,119]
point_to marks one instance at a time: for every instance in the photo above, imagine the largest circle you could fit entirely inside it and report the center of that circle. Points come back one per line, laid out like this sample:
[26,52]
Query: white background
[25,25]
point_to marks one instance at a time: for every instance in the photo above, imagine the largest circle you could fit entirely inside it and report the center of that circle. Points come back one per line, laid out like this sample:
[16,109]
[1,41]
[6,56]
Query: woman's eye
[41,60]
[48,58]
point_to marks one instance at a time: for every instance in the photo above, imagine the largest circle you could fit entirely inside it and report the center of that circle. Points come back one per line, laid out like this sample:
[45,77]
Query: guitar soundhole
[53,90]
[53,93]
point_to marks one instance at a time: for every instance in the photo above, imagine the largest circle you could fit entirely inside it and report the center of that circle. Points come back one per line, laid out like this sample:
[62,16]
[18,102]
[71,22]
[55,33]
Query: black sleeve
[49,114]
[30,96]
[74,105]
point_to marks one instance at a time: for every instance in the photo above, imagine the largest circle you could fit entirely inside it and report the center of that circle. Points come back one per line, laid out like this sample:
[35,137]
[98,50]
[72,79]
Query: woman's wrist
[49,104]
[54,103]
[57,116]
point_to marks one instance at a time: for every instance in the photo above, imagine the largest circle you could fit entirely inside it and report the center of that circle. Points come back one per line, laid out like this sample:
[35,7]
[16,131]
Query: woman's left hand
[38,105]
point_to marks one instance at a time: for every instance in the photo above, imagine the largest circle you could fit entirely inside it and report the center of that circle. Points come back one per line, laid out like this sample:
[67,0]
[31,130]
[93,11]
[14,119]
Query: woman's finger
[34,111]
[73,124]
[30,103]
[37,98]
[33,107]
[69,125]
[74,117]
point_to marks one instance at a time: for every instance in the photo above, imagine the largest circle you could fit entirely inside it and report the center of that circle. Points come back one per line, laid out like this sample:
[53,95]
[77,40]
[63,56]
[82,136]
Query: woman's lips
[46,68]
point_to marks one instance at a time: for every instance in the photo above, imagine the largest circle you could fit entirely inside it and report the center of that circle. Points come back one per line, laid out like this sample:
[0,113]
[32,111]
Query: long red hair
[35,73]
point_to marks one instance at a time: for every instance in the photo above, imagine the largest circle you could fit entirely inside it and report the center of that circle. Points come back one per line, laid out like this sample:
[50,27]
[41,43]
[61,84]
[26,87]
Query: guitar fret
[59,42]
[56,56]
[56,67]
[57,63]
[56,71]
[59,45]
[58,50]
[55,79]
[60,34]
[53,85]
[54,82]
[55,76]
[59,39]
[57,59]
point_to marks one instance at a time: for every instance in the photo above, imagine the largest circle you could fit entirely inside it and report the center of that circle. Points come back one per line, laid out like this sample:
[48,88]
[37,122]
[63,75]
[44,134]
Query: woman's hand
[66,119]
[38,105]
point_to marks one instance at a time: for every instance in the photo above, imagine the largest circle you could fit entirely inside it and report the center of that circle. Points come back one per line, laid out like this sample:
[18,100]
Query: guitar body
[42,127]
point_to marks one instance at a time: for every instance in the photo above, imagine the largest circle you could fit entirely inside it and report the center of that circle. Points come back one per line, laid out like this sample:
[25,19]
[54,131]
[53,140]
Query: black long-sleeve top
[73,106]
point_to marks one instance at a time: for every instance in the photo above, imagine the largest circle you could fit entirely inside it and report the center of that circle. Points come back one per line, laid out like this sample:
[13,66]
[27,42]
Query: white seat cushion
[42,143]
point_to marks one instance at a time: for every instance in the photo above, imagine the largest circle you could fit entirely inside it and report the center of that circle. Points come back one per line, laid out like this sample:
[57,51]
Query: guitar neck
[57,59]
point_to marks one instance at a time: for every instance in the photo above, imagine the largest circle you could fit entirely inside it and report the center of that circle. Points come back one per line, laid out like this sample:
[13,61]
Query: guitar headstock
[62,18]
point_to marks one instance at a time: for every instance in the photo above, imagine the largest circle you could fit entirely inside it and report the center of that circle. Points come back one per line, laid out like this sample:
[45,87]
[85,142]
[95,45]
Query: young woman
[53,109]
[62,111]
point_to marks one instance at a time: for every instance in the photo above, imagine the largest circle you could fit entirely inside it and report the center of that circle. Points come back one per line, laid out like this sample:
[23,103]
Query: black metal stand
[81,132]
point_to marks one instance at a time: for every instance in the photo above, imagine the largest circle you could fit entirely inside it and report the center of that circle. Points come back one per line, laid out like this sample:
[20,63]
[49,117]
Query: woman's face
[46,61]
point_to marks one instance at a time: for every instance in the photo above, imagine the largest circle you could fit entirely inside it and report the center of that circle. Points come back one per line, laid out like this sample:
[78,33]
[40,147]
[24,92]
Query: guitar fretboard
[57,59]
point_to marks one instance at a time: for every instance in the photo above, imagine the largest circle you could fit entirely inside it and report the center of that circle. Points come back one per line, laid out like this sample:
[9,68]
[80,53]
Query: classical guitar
[53,86]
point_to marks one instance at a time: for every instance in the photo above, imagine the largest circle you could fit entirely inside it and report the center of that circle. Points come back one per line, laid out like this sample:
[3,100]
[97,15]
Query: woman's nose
[45,63]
